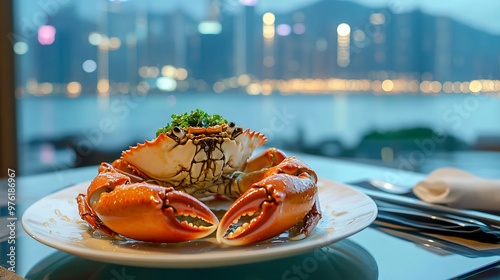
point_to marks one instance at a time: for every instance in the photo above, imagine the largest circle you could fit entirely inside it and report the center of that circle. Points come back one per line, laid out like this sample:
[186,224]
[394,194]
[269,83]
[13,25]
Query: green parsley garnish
[196,118]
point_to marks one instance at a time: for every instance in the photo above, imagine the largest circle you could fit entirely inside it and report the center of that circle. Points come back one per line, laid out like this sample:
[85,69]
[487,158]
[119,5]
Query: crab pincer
[285,199]
[144,211]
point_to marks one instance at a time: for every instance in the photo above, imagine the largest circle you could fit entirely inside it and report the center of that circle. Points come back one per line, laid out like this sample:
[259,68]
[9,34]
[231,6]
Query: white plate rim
[213,258]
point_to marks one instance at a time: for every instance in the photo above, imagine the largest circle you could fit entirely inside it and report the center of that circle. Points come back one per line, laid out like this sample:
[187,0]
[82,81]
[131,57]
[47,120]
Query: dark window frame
[8,137]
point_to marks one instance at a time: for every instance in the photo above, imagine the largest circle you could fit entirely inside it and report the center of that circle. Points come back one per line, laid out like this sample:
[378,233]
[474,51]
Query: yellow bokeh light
[181,74]
[267,89]
[456,87]
[94,38]
[465,87]
[114,43]
[436,86]
[343,29]
[318,85]
[365,85]
[387,85]
[253,86]
[497,85]
[104,43]
[296,84]
[153,72]
[268,31]
[143,72]
[377,19]
[341,84]
[268,18]
[74,89]
[488,85]
[283,87]
[32,86]
[103,86]
[376,85]
[243,80]
[475,86]
[425,87]
[46,88]
[448,87]
[168,71]
[233,82]
[254,89]
[218,87]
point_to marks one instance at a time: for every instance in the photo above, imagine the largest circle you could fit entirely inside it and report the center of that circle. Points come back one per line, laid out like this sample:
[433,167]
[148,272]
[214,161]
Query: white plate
[54,221]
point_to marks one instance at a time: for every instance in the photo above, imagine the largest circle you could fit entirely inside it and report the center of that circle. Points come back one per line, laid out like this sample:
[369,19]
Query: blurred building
[306,43]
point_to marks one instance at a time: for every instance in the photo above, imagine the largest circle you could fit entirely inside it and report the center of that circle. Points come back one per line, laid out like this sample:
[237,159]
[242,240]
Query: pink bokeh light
[283,29]
[299,28]
[46,34]
[249,2]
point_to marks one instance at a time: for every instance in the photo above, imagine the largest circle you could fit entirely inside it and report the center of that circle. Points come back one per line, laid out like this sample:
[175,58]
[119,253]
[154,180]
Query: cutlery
[438,244]
[423,221]
[389,187]
[410,201]
[432,214]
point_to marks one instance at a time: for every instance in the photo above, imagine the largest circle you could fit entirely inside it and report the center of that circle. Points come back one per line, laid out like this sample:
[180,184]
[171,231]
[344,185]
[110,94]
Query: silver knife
[490,220]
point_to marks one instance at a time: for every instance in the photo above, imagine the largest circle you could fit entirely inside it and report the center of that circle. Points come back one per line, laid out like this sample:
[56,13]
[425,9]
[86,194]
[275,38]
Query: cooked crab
[151,192]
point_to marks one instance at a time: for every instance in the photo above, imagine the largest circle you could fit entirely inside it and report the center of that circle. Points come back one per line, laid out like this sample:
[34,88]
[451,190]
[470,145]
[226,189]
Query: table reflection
[342,260]
[440,244]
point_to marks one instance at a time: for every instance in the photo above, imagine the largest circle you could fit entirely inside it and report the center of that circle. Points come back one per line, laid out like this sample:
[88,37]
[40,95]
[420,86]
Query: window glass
[407,84]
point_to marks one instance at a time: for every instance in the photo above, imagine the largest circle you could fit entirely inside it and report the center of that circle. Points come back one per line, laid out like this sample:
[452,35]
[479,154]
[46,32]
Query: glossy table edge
[63,178]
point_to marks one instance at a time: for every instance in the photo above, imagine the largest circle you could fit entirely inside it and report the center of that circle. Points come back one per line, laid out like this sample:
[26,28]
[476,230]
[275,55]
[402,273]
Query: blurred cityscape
[325,47]
[425,88]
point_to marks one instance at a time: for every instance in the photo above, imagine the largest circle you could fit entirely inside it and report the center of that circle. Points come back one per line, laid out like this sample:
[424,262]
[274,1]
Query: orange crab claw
[152,213]
[88,215]
[106,180]
[275,204]
[142,211]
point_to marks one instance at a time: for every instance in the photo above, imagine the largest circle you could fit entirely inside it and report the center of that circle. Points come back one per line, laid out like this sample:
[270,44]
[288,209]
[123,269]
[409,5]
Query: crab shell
[197,160]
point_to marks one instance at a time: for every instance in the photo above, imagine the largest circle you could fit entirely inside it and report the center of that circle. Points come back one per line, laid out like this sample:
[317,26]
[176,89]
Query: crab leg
[257,168]
[286,199]
[268,158]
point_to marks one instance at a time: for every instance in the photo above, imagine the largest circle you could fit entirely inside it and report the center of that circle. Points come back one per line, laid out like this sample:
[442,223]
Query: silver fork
[389,187]
[379,185]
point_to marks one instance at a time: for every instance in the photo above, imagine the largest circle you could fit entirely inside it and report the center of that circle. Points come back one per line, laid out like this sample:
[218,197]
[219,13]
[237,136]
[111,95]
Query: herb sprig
[197,118]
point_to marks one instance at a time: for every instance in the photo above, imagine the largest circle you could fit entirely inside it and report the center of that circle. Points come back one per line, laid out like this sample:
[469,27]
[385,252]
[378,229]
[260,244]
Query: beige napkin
[459,189]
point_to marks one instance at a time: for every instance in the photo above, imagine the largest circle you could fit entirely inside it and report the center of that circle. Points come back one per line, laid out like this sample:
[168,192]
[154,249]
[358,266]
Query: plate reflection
[341,260]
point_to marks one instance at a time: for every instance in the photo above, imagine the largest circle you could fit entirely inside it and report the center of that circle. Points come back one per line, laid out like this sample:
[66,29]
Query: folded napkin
[459,189]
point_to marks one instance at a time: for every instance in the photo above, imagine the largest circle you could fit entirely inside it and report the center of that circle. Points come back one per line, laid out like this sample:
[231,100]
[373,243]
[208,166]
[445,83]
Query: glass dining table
[369,253]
